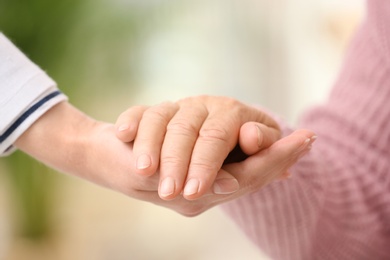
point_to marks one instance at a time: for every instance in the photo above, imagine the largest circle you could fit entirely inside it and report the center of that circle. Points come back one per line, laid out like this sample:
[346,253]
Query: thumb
[269,164]
[253,137]
[256,136]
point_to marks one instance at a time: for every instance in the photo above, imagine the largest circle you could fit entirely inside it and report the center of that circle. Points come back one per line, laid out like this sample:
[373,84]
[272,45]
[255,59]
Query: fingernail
[304,145]
[260,136]
[225,186]
[307,147]
[312,140]
[143,162]
[122,128]
[192,187]
[167,187]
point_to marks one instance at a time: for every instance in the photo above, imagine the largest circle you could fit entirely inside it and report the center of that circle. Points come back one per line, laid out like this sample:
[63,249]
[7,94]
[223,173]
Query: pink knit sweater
[337,205]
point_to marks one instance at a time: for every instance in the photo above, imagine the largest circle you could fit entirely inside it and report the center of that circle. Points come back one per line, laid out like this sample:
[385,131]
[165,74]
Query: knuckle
[192,99]
[236,108]
[205,165]
[212,134]
[171,161]
[159,114]
[232,103]
[184,127]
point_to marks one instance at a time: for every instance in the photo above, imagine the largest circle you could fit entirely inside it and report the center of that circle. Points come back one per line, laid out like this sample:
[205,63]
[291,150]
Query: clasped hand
[187,142]
[179,155]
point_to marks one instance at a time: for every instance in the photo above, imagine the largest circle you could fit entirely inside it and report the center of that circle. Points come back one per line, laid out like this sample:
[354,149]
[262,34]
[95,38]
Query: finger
[150,135]
[217,138]
[225,187]
[182,133]
[127,123]
[271,163]
[257,136]
[225,183]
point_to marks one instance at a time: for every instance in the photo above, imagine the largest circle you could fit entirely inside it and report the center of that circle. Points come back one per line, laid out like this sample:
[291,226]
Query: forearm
[59,138]
[66,139]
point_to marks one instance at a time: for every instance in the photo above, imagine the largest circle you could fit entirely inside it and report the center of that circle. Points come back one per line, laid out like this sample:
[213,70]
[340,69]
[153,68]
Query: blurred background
[107,55]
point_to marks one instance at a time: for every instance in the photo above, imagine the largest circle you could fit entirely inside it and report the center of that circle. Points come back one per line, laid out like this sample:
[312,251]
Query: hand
[252,174]
[190,139]
[69,141]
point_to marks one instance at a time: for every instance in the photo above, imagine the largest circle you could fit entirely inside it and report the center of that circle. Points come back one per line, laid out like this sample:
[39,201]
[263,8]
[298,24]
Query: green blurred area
[90,48]
[77,42]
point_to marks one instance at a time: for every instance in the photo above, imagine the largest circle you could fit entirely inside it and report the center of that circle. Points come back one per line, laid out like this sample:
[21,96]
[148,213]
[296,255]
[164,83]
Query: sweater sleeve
[26,93]
[337,205]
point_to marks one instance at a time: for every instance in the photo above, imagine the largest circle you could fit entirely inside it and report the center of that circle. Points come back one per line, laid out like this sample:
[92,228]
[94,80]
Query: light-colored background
[283,55]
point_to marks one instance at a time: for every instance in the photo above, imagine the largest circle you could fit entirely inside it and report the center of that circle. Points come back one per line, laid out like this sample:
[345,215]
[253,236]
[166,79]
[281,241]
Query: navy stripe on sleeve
[26,114]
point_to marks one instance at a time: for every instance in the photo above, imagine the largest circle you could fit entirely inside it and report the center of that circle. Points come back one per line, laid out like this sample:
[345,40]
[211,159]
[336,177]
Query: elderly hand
[188,141]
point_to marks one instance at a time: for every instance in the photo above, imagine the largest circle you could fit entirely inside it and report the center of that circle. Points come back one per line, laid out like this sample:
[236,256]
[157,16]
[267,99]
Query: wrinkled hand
[188,141]
[252,174]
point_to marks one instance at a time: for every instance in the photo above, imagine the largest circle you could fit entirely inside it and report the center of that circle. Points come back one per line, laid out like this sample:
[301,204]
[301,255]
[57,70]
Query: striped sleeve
[26,93]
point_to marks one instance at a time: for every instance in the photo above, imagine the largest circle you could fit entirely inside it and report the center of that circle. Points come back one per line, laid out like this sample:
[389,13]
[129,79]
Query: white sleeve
[26,93]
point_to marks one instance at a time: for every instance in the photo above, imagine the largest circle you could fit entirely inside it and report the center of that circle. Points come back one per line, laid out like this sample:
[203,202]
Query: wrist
[58,138]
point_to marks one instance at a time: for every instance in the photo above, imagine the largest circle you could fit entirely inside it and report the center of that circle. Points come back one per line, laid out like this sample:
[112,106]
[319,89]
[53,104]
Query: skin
[189,140]
[68,140]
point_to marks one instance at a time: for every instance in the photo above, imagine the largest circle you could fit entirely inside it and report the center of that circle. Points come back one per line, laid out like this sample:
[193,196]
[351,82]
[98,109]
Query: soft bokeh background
[107,55]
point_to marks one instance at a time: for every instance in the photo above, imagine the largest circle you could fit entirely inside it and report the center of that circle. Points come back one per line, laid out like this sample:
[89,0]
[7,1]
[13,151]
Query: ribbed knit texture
[337,205]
